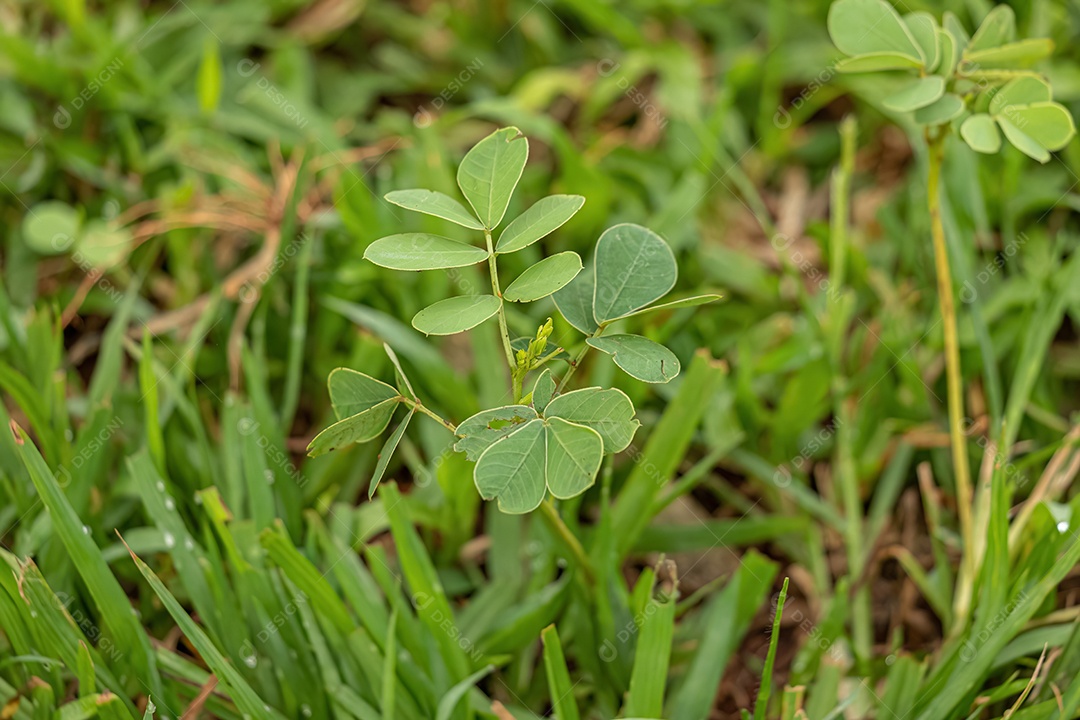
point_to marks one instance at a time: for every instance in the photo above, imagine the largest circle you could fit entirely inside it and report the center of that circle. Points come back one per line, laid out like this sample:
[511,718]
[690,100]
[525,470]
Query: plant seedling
[981,86]
[547,440]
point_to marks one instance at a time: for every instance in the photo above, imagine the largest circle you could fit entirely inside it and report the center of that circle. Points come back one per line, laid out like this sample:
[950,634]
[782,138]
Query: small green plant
[982,87]
[549,439]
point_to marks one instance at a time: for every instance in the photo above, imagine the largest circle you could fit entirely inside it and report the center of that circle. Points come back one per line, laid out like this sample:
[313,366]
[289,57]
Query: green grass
[186,195]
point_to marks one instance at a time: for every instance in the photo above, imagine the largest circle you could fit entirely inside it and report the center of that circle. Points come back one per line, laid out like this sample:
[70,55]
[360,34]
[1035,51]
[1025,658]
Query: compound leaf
[858,27]
[480,431]
[574,453]
[544,278]
[919,93]
[997,28]
[359,428]
[634,267]
[872,62]
[456,314]
[431,202]
[981,134]
[353,392]
[543,218]
[422,251]
[490,171]
[607,411]
[575,301]
[513,468]
[639,357]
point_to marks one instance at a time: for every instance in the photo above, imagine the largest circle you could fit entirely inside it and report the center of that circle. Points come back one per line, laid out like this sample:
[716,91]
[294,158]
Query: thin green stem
[955,381]
[555,523]
[420,407]
[493,269]
[578,358]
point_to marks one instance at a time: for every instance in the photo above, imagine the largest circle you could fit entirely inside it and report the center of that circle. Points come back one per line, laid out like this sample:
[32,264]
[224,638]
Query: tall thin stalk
[961,469]
[548,511]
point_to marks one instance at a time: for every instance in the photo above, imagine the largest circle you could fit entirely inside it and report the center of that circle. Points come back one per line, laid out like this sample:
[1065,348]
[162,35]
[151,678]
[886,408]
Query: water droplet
[86,529]
[250,660]
[169,504]
[305,710]
[188,544]
[33,613]
[198,499]
[160,486]
[269,477]
[1063,526]
[170,541]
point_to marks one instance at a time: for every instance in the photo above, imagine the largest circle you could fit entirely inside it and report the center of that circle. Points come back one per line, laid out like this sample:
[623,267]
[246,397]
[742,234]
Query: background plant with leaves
[187,194]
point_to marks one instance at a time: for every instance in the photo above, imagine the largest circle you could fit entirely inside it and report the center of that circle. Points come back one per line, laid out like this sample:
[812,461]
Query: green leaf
[873,62]
[543,218]
[607,411]
[1048,123]
[456,314]
[651,658]
[560,688]
[1022,141]
[431,202]
[360,428]
[543,390]
[490,171]
[575,302]
[1021,91]
[919,93]
[981,134]
[574,454]
[247,701]
[387,453]
[51,227]
[456,694]
[544,278]
[858,27]
[353,392]
[480,431]
[949,48]
[553,453]
[1018,54]
[421,251]
[947,107]
[634,267]
[513,470]
[924,29]
[639,357]
[997,28]
[692,301]
[952,24]
[761,704]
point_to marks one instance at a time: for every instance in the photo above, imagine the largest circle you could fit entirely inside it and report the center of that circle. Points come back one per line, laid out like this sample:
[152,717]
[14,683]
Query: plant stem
[420,407]
[555,523]
[578,358]
[494,271]
[952,370]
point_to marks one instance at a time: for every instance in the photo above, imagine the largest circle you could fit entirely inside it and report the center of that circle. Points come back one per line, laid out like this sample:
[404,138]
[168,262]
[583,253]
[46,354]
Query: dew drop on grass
[160,486]
[188,544]
[305,710]
[198,499]
[251,660]
[170,541]
[86,529]
[1063,526]
[169,504]
[269,476]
